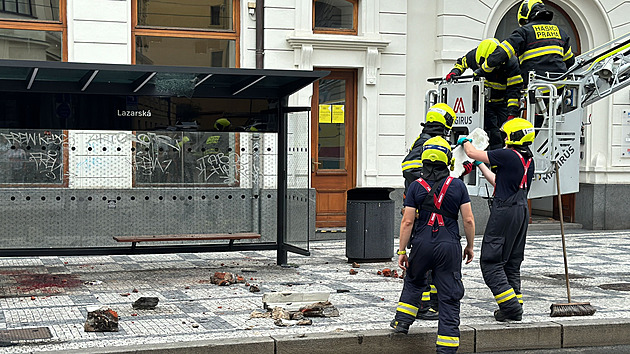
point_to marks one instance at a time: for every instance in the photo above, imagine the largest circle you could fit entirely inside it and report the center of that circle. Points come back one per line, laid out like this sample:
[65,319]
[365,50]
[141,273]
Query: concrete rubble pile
[101,320]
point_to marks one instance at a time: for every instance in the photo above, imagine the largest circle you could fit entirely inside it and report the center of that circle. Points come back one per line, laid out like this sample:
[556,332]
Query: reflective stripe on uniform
[495,85]
[408,309]
[496,100]
[406,165]
[514,80]
[520,298]
[426,296]
[505,296]
[507,47]
[567,55]
[463,66]
[447,341]
[540,51]
[513,102]
[433,289]
[485,67]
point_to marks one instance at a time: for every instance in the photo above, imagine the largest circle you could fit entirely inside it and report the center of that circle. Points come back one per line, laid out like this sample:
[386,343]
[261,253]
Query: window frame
[355,21]
[192,33]
[60,25]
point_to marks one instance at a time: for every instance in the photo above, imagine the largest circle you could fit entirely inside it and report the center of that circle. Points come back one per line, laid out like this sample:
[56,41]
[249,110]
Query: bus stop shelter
[90,152]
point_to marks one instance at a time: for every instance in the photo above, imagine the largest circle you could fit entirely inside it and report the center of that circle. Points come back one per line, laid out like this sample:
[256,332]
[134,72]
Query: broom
[570,308]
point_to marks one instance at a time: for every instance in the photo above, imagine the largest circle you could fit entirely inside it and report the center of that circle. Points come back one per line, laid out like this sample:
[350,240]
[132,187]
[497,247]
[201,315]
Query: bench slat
[187,237]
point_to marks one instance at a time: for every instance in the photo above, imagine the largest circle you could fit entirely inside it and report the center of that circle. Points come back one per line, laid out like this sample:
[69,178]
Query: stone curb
[473,339]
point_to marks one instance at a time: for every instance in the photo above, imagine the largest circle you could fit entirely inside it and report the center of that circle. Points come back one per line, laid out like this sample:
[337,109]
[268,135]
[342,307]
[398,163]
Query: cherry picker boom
[555,104]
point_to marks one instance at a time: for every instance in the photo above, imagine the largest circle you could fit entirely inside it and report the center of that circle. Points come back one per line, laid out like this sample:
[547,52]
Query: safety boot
[428,315]
[503,317]
[399,327]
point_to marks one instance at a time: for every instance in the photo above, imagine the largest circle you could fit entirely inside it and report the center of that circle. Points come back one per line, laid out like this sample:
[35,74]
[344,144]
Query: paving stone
[223,312]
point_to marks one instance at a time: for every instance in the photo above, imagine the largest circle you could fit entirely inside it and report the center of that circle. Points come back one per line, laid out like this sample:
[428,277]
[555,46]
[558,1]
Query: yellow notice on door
[324,113]
[338,114]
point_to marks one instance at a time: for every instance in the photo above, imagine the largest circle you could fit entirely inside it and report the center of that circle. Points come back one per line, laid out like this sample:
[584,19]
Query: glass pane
[334,14]
[331,137]
[185,51]
[30,45]
[30,10]
[30,156]
[104,174]
[196,14]
[509,23]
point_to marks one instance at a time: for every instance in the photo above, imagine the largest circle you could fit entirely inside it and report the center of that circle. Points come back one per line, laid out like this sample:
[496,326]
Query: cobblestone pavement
[54,292]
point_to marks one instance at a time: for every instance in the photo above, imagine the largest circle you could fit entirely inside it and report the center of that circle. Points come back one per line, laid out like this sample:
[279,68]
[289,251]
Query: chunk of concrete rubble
[226,278]
[259,314]
[292,301]
[254,289]
[297,315]
[320,309]
[289,323]
[278,313]
[146,303]
[102,319]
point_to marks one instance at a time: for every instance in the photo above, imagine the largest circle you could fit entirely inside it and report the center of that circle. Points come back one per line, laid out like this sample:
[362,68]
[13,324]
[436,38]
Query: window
[335,16]
[188,33]
[32,29]
[560,18]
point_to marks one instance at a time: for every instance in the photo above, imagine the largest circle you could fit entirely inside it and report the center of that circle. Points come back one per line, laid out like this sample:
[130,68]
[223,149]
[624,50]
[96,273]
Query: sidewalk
[54,292]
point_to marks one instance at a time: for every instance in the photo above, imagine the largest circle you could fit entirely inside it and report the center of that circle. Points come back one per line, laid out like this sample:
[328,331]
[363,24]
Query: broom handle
[564,246]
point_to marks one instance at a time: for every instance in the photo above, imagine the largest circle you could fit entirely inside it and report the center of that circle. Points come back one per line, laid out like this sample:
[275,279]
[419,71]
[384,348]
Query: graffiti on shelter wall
[48,157]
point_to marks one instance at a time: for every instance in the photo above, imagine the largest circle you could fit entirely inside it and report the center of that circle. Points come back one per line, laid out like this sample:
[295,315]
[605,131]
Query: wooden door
[333,150]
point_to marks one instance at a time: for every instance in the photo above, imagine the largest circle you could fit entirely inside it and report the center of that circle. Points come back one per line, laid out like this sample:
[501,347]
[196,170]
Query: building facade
[367,113]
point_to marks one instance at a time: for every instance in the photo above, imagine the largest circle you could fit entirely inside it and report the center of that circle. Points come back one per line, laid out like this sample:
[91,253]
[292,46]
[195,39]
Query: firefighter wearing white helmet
[505,83]
[435,245]
[503,244]
[538,44]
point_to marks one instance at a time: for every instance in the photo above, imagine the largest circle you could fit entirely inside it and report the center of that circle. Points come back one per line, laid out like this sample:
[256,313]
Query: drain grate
[571,276]
[22,334]
[616,286]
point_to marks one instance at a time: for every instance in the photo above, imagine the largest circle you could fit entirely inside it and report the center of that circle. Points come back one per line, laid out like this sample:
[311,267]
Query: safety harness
[523,184]
[433,203]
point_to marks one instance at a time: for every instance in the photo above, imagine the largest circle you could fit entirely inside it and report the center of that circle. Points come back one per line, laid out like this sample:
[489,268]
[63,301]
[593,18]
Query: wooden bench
[186,237]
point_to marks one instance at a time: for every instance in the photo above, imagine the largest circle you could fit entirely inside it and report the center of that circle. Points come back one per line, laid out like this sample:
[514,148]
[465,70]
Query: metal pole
[282,183]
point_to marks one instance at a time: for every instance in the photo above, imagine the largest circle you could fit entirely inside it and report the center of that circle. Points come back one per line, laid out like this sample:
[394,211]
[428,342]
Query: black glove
[479,73]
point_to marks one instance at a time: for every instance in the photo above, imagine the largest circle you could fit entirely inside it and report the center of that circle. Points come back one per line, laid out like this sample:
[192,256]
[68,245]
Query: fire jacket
[539,46]
[505,82]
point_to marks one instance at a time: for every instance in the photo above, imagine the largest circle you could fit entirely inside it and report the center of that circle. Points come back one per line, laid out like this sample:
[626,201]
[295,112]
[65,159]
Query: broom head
[572,309]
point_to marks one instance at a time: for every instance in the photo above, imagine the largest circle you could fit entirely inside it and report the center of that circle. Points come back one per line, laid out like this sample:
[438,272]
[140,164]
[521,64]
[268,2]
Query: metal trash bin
[370,225]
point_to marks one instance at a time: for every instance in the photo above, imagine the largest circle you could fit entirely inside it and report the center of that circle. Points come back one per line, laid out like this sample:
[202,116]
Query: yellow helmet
[519,131]
[437,149]
[525,10]
[485,48]
[222,124]
[441,113]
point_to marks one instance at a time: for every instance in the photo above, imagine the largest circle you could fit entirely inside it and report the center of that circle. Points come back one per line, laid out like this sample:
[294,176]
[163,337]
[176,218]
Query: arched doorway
[560,17]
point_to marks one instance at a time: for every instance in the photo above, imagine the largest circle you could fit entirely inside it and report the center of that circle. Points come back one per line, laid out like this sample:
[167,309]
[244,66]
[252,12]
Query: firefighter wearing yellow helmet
[439,122]
[505,83]
[503,244]
[539,45]
[435,245]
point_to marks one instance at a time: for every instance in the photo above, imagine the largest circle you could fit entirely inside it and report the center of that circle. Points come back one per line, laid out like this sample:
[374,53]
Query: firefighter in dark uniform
[539,45]
[435,244]
[505,83]
[503,245]
[439,122]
